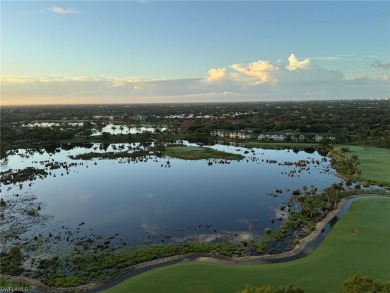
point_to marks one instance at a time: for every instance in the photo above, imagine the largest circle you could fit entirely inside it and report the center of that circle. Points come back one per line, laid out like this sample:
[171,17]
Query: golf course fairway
[374,163]
[357,244]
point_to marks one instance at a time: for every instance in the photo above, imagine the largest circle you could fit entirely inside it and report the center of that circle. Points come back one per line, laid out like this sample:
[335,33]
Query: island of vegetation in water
[198,153]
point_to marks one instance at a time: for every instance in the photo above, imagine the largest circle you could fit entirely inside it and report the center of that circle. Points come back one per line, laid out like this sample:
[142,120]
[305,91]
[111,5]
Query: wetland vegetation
[363,227]
[199,153]
[173,188]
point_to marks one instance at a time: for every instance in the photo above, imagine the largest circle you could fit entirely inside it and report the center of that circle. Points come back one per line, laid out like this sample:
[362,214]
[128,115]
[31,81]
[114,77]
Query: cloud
[121,82]
[296,64]
[263,71]
[9,80]
[312,74]
[61,10]
[377,64]
[65,79]
[267,73]
[255,81]
[217,74]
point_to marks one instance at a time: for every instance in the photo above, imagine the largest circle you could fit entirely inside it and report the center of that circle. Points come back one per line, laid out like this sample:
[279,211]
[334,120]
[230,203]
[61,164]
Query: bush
[296,191]
[363,284]
[11,261]
[261,247]
[32,213]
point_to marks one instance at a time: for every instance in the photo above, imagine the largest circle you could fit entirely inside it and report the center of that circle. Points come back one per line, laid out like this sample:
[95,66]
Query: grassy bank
[358,244]
[370,165]
[374,163]
[198,153]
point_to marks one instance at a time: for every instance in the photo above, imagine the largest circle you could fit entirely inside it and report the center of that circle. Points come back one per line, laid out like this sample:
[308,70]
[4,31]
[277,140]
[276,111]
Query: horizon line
[193,102]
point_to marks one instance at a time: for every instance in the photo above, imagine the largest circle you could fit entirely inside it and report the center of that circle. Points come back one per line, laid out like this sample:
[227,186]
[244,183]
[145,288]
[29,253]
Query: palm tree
[345,149]
[333,195]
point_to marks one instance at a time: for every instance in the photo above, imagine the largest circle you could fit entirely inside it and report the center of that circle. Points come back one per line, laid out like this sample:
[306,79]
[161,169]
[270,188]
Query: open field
[374,163]
[358,244]
[198,153]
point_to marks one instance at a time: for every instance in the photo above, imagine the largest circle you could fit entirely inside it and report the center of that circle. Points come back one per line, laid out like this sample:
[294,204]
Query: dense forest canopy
[347,121]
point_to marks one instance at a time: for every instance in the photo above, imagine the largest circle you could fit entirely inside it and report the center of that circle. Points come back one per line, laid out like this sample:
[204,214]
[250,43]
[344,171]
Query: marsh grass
[199,153]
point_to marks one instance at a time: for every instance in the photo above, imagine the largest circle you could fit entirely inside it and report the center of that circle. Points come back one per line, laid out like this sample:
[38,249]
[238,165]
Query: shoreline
[133,270]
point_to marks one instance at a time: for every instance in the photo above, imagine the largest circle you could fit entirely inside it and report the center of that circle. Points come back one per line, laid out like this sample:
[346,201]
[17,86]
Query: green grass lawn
[374,163]
[358,244]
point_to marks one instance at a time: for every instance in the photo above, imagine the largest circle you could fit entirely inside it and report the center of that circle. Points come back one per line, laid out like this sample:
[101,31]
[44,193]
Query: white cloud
[263,71]
[121,82]
[61,10]
[274,74]
[66,79]
[9,80]
[217,74]
[296,64]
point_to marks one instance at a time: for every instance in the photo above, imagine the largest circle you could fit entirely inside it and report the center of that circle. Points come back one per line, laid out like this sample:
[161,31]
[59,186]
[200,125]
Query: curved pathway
[305,246]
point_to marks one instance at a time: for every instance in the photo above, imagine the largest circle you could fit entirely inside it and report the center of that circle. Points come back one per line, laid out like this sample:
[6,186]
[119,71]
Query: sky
[79,52]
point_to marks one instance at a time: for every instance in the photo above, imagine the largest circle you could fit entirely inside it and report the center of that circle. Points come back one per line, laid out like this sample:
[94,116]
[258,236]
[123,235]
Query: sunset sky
[71,52]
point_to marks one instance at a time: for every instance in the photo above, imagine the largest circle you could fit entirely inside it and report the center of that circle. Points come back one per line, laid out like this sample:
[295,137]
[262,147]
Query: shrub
[296,191]
[11,261]
[261,247]
[362,284]
[32,213]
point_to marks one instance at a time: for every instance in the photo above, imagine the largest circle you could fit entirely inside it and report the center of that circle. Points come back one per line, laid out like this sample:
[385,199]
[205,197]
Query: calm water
[153,202]
[110,127]
[116,129]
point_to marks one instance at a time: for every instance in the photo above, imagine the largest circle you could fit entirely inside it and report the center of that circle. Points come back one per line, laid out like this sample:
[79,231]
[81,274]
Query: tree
[324,142]
[310,202]
[364,284]
[332,194]
[106,136]
[355,162]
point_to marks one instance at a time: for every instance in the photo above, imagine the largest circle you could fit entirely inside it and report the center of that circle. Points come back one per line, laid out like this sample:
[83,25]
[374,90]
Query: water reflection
[145,203]
[124,129]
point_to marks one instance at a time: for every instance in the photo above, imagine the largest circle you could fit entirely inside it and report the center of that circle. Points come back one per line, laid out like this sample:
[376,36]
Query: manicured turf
[358,244]
[374,163]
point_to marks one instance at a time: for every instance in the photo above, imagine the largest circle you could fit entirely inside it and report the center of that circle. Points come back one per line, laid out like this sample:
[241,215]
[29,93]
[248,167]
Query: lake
[162,200]
[109,128]
[116,129]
